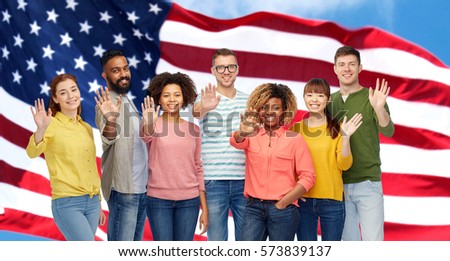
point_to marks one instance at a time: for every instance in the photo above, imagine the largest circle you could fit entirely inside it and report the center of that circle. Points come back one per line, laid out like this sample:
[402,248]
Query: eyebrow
[70,88]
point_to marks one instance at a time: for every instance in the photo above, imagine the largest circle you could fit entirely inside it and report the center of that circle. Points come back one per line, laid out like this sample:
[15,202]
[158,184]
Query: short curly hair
[266,91]
[161,80]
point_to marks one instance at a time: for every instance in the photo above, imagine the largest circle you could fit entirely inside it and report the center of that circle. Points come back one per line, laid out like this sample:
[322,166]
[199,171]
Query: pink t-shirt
[175,166]
[271,170]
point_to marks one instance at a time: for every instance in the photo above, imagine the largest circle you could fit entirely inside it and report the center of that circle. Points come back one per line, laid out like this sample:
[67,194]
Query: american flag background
[43,38]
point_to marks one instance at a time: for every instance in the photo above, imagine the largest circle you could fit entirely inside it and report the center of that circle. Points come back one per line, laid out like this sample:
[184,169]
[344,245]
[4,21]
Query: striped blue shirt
[221,161]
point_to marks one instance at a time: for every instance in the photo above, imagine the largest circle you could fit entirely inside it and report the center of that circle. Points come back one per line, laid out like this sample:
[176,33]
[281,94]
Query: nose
[268,110]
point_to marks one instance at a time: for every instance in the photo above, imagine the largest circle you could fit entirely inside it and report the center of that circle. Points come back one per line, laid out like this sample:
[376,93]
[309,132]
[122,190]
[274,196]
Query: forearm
[237,136]
[383,117]
[346,150]
[148,129]
[203,204]
[197,111]
[39,135]
[110,130]
[291,196]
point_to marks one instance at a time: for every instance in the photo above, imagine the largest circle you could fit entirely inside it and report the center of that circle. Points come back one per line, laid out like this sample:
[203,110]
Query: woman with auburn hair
[68,145]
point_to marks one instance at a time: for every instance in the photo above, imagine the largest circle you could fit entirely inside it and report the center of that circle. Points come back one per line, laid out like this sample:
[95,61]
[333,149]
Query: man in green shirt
[362,182]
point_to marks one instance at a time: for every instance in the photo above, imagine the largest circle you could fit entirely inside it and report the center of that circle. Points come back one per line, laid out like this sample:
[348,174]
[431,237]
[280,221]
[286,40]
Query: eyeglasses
[221,68]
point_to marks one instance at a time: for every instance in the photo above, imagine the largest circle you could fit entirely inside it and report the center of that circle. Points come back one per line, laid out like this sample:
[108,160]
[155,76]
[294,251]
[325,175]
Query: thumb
[344,120]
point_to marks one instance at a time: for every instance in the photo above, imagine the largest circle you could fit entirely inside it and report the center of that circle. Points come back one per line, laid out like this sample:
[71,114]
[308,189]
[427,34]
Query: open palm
[249,122]
[41,117]
[149,113]
[350,127]
[378,96]
[209,100]
[107,107]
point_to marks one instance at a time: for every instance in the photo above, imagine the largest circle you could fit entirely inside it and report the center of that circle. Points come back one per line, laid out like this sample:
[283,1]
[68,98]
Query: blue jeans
[127,215]
[223,196]
[77,217]
[262,219]
[331,214]
[173,220]
[364,206]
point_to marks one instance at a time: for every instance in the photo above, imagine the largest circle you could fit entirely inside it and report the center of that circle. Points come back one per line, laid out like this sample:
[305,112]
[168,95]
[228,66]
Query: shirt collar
[65,119]
[278,132]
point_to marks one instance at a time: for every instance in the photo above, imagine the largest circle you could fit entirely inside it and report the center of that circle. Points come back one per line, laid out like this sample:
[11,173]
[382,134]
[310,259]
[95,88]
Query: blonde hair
[266,91]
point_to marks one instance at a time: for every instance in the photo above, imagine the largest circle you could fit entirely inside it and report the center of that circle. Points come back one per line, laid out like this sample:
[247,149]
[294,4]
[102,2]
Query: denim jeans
[173,220]
[223,196]
[262,219]
[127,215]
[364,207]
[331,214]
[77,217]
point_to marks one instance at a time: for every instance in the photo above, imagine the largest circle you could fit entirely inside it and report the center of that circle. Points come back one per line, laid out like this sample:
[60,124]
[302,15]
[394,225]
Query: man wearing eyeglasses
[218,109]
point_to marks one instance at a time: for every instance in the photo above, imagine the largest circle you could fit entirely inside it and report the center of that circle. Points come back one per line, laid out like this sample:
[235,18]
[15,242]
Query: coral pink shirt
[271,171]
[175,165]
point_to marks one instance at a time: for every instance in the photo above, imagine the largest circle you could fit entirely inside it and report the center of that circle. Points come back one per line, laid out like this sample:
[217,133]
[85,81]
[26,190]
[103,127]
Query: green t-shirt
[365,142]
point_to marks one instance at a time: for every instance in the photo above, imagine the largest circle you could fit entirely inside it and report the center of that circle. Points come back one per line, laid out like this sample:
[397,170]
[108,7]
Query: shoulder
[86,125]
[297,127]
[335,94]
[241,95]
[53,126]
[292,134]
[192,126]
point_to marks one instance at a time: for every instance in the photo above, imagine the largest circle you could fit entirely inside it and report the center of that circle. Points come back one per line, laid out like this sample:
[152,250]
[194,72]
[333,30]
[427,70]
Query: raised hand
[249,122]
[149,114]
[209,100]
[378,96]
[350,127]
[107,107]
[41,117]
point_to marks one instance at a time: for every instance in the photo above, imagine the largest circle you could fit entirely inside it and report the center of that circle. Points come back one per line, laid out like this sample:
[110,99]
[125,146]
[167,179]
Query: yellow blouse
[69,151]
[327,159]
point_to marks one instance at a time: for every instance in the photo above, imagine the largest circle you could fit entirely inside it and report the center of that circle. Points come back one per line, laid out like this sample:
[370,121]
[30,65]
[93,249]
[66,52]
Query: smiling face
[116,73]
[315,102]
[347,69]
[67,96]
[227,78]
[270,113]
[171,99]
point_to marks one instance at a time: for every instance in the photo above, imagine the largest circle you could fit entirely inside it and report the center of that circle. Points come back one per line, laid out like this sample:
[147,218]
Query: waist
[264,201]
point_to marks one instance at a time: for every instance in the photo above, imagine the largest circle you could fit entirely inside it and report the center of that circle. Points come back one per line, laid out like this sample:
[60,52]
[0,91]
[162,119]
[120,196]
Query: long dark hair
[55,81]
[320,85]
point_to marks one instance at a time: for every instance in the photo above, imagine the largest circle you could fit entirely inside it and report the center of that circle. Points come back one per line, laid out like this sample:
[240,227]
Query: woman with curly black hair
[175,189]
[279,167]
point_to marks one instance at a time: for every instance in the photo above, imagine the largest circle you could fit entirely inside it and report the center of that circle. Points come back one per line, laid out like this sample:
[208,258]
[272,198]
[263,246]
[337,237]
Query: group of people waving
[279,179]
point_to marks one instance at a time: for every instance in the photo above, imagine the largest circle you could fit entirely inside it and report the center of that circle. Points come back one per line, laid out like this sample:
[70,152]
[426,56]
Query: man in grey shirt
[124,159]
